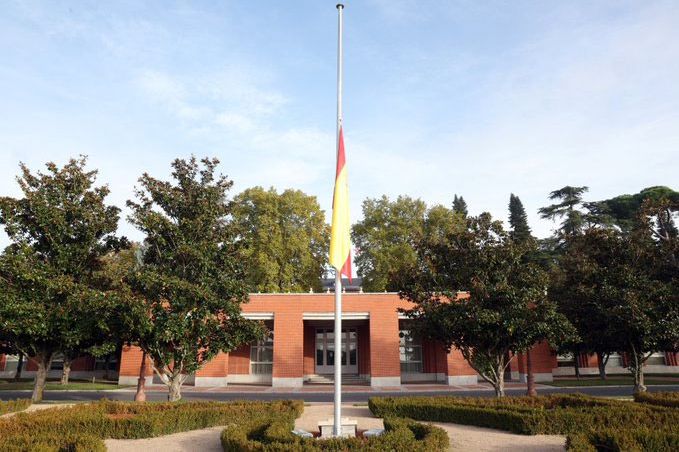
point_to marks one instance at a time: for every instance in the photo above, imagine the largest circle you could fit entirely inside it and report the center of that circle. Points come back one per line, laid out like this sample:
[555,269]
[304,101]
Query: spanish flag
[340,241]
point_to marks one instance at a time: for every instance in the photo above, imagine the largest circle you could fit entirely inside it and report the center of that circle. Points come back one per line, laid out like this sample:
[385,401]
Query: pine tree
[459,205]
[571,199]
[518,220]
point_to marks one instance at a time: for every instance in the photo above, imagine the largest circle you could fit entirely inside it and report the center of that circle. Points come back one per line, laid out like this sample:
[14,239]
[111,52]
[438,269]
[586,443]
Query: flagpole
[337,426]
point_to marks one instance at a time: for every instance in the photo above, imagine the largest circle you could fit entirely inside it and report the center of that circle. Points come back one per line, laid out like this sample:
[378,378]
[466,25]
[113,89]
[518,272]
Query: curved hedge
[668,399]
[275,434]
[10,406]
[84,427]
[591,423]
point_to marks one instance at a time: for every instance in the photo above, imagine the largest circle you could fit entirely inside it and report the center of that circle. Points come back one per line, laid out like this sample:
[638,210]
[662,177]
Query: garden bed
[11,406]
[591,423]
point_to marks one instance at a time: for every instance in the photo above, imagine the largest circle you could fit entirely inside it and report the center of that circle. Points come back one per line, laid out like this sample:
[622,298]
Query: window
[57,362]
[614,360]
[261,357]
[565,360]
[100,363]
[657,359]
[410,348]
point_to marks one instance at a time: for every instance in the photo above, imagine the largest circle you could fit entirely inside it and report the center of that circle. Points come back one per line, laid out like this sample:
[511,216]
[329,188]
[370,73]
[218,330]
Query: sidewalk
[311,388]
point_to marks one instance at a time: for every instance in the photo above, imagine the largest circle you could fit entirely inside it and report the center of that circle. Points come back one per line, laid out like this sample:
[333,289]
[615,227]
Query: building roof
[354,286]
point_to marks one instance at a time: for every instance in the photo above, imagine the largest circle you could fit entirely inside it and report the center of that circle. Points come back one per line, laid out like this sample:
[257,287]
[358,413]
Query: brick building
[377,349]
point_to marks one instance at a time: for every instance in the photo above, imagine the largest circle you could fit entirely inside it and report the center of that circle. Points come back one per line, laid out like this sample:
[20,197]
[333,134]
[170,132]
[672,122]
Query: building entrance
[325,351]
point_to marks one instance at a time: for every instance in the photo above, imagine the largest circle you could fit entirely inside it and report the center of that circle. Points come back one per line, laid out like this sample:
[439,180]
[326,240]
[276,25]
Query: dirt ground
[462,437]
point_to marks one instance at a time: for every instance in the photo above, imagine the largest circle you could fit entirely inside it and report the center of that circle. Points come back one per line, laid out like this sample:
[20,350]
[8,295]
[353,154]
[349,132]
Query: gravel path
[467,437]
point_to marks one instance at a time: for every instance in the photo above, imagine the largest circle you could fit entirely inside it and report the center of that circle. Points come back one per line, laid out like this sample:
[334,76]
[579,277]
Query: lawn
[614,380]
[74,385]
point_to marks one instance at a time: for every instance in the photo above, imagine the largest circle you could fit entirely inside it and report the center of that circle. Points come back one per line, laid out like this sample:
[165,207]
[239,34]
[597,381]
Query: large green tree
[386,238]
[286,239]
[518,220]
[623,210]
[50,299]
[568,208]
[189,275]
[507,310]
[460,205]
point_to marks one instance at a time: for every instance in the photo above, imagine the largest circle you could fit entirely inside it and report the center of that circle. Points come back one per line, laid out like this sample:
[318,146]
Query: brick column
[130,361]
[288,349]
[385,359]
[214,372]
[459,371]
[543,361]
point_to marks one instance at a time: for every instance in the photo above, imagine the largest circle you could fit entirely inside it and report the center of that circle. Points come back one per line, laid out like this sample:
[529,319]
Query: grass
[74,385]
[614,380]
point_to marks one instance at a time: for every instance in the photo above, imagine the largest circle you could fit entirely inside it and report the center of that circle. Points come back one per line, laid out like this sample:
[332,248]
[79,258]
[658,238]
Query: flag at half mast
[340,240]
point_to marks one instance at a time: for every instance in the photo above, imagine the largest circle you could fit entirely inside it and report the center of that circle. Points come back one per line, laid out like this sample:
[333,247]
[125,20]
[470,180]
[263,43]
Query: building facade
[377,349]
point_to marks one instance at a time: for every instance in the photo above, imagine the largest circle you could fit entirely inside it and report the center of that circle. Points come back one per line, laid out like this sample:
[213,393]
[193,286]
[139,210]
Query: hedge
[11,406]
[84,427]
[270,434]
[591,423]
[668,399]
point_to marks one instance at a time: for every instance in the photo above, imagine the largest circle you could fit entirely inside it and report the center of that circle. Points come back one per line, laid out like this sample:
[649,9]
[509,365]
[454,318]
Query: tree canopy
[507,309]
[285,238]
[190,274]
[51,299]
[518,220]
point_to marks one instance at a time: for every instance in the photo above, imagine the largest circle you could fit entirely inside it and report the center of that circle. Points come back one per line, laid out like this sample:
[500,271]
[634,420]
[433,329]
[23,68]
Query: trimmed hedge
[11,406]
[629,440]
[274,434]
[84,427]
[668,399]
[591,423]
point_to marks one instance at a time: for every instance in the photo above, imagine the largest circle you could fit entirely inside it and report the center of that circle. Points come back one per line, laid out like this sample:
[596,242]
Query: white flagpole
[337,426]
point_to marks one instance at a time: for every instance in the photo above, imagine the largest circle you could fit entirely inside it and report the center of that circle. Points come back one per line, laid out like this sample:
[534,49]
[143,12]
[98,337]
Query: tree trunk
[175,385]
[66,372]
[44,363]
[638,371]
[499,384]
[577,365]
[530,378]
[140,396]
[107,361]
[602,364]
[20,367]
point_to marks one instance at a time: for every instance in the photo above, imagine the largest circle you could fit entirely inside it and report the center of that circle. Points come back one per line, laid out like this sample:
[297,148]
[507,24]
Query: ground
[54,385]
[462,437]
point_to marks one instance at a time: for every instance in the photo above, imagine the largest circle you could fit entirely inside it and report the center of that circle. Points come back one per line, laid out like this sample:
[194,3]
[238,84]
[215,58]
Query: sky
[479,99]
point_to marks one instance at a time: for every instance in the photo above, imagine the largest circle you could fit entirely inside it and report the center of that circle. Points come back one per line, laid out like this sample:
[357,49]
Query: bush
[84,427]
[275,434]
[668,399]
[11,406]
[624,440]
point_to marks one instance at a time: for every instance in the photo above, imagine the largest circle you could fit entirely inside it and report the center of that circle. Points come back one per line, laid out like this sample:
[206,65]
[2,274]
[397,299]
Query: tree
[507,309]
[459,205]
[568,208]
[518,220]
[582,286]
[520,232]
[60,230]
[286,239]
[190,278]
[386,237]
[623,210]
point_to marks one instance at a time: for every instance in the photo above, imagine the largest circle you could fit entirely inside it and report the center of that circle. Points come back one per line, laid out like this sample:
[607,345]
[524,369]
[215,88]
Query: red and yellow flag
[340,240]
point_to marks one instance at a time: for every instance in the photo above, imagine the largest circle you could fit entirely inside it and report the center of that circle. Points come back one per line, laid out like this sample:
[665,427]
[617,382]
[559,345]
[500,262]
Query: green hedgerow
[668,399]
[10,406]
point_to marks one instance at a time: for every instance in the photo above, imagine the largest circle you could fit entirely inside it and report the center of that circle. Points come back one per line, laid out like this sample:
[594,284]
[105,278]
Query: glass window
[410,348]
[656,359]
[261,357]
[565,360]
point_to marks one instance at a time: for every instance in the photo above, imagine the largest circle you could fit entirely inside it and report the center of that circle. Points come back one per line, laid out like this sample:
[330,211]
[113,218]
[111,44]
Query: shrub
[668,399]
[624,440]
[84,427]
[561,414]
[275,434]
[11,406]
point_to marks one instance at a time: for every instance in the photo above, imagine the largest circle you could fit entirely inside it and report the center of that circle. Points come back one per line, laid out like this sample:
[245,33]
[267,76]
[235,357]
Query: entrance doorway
[325,351]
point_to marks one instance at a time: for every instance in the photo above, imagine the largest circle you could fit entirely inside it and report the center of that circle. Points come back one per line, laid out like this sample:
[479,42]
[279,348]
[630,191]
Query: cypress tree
[459,205]
[518,220]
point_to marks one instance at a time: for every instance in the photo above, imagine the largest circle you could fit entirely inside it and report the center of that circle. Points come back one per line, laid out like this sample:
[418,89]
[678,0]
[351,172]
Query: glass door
[325,351]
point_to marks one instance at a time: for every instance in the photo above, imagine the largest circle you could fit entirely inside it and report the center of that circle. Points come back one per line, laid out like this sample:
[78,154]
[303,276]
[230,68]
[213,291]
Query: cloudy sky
[479,99]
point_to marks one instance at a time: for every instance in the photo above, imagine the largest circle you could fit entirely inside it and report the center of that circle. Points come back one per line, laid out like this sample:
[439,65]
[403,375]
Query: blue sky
[476,98]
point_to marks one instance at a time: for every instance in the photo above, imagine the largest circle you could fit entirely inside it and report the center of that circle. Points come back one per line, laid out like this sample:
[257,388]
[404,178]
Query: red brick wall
[385,360]
[288,347]
[3,361]
[364,349]
[433,356]
[309,350]
[130,361]
[239,361]
[217,367]
[457,366]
